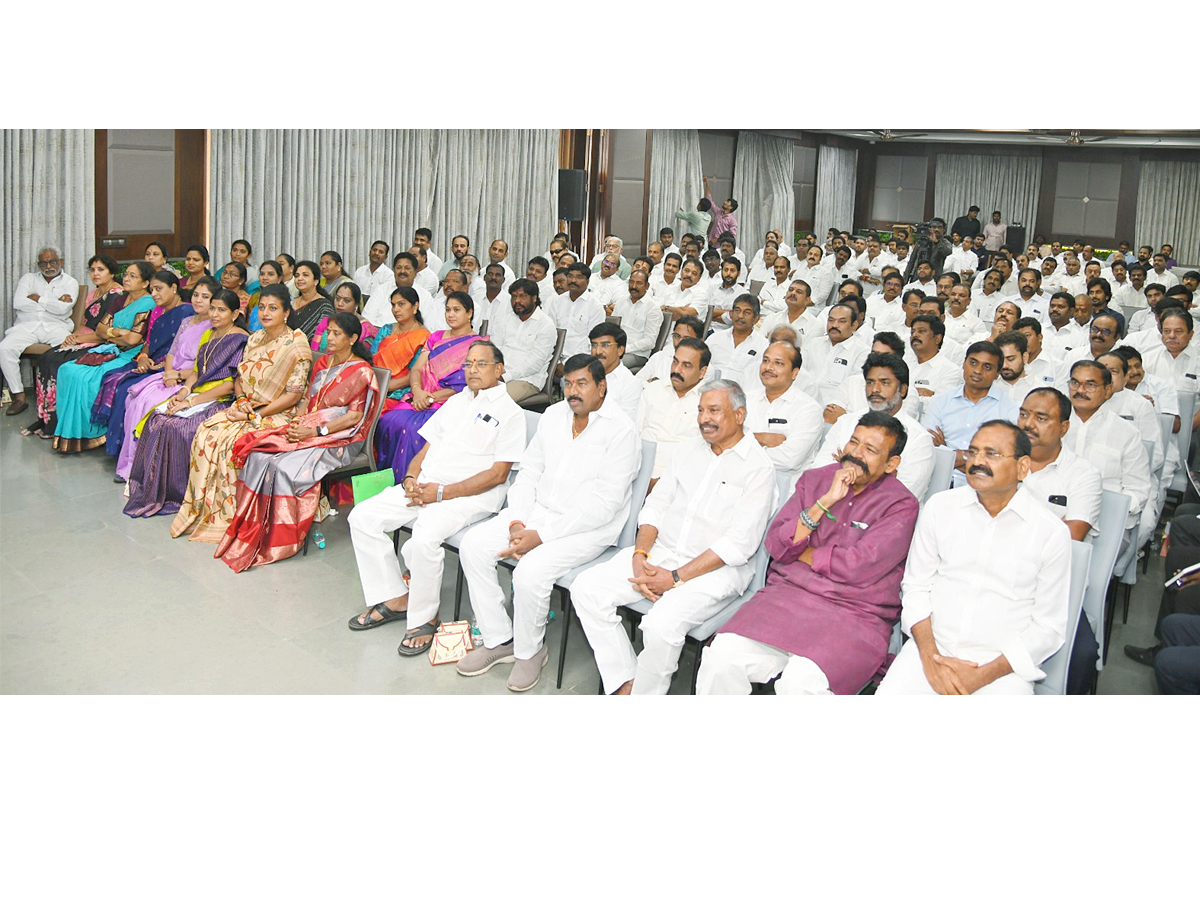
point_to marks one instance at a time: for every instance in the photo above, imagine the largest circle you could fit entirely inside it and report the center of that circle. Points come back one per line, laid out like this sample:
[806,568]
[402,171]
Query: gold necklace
[211,348]
[574,433]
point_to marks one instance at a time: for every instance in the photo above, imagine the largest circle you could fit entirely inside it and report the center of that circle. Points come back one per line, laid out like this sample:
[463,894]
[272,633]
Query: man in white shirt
[666,237]
[423,238]
[885,381]
[986,586]
[814,273]
[1104,439]
[773,296]
[537,270]
[433,313]
[963,261]
[1160,274]
[1140,412]
[667,414]
[43,302]
[613,245]
[1051,277]
[641,319]
[1040,368]
[987,293]
[664,279]
[797,313]
[527,338]
[375,273]
[737,351]
[1104,332]
[460,246]
[1064,334]
[570,501]
[782,416]
[577,312]
[886,309]
[1067,486]
[1176,359]
[491,302]
[456,479]
[1074,281]
[605,285]
[698,534]
[658,367]
[925,282]
[934,372]
[378,308]
[624,390]
[763,267]
[425,278]
[1014,352]
[962,325]
[830,357]
[723,291]
[1030,297]
[870,269]
[498,253]
[691,297]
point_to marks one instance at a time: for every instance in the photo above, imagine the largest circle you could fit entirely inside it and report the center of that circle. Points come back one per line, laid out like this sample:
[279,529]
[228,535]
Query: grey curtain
[1168,208]
[762,185]
[49,199]
[304,192]
[1010,184]
[837,176]
[676,178]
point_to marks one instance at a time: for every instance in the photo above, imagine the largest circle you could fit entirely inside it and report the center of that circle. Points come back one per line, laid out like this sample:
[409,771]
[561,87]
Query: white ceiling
[1109,139]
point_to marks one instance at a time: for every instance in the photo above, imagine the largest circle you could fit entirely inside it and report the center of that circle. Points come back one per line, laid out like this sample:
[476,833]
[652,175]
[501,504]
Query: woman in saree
[279,487]
[160,386]
[347,299]
[104,300]
[270,272]
[287,262]
[267,393]
[109,407]
[311,306]
[233,278]
[397,346]
[156,255]
[79,380]
[333,275]
[158,476]
[195,261]
[436,377]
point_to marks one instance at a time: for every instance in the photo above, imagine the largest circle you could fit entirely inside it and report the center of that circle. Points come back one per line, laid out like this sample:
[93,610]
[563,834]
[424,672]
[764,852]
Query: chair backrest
[483,329]
[548,387]
[707,323]
[613,320]
[1149,448]
[1167,421]
[383,375]
[1056,666]
[1106,546]
[1187,411]
[664,332]
[532,419]
[641,484]
[943,471]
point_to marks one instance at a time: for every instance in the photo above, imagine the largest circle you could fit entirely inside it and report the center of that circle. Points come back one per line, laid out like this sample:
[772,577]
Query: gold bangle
[643,552]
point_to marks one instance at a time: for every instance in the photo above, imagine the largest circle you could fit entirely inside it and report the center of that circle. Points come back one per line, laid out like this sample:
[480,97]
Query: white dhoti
[731,663]
[533,581]
[378,568]
[598,593]
[23,335]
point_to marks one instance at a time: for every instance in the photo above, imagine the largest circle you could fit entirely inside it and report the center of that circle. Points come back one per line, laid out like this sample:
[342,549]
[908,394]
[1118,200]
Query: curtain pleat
[676,178]
[837,176]
[1010,184]
[306,191]
[1168,208]
[49,199]
[762,185]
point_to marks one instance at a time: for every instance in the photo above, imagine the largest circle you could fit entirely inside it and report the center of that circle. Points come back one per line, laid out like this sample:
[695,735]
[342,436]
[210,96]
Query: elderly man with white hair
[697,537]
[612,244]
[43,302]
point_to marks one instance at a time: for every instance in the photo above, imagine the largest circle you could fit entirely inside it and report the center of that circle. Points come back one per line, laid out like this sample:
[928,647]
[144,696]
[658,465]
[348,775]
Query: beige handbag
[450,643]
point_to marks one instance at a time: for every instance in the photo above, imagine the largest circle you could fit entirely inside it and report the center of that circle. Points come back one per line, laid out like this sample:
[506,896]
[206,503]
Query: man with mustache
[1104,333]
[577,312]
[1063,334]
[658,367]
[737,351]
[797,313]
[987,580]
[783,418]
[933,372]
[624,390]
[641,318]
[527,337]
[570,501]
[1104,439]
[830,357]
[697,536]
[690,298]
[953,417]
[886,378]
[667,414]
[825,616]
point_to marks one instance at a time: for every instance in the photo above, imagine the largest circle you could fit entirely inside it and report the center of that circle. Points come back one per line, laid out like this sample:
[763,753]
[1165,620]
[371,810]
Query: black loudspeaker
[572,194]
[1015,236]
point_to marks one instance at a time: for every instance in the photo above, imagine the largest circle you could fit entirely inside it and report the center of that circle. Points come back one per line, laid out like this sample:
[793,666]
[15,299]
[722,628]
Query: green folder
[369,484]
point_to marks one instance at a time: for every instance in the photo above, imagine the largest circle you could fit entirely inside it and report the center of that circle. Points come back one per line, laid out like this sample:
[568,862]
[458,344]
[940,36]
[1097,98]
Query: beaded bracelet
[807,520]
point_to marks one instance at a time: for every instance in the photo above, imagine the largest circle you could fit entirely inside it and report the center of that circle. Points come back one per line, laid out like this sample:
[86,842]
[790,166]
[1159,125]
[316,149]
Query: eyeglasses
[1088,386]
[468,365]
[1103,332]
[987,453]
[605,345]
[47,263]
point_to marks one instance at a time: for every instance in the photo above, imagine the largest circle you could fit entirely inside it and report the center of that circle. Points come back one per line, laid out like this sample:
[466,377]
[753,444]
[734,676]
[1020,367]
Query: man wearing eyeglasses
[986,586]
[458,478]
[1108,442]
[1103,334]
[43,302]
[607,342]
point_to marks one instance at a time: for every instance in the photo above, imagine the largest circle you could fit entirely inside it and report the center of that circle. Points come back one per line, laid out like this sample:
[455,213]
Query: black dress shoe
[117,479]
[1143,655]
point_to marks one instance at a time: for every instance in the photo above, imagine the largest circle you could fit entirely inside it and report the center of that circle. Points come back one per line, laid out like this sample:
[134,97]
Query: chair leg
[458,592]
[304,550]
[1125,611]
[1110,608]
[695,664]
[566,631]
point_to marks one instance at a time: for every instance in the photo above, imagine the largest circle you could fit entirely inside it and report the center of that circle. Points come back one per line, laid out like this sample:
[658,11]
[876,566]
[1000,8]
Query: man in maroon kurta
[825,617]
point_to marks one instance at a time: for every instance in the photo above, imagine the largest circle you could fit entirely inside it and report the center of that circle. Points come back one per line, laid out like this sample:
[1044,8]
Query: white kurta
[794,414]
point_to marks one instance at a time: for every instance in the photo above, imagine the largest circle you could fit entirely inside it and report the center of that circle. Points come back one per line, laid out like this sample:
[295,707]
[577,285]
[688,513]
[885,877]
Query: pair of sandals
[357,623]
[37,429]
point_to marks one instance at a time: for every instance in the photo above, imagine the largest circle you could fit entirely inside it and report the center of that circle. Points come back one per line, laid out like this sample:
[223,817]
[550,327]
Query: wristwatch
[322,430]
[675,575]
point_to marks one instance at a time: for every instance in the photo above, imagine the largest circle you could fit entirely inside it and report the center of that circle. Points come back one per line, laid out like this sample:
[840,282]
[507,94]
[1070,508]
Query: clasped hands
[419,494]
[951,675]
[649,580]
[520,541]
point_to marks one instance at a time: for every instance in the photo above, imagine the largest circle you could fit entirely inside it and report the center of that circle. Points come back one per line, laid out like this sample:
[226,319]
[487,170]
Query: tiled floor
[93,602]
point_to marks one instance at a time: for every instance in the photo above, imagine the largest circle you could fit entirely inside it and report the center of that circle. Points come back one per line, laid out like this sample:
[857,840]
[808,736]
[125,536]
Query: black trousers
[1184,551]
[1177,666]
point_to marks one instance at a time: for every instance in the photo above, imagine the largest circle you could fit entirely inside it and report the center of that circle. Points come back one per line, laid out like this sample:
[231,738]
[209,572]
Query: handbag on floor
[450,643]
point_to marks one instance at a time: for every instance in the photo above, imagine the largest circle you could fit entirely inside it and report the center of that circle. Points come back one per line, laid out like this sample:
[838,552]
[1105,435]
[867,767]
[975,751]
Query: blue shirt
[959,418]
